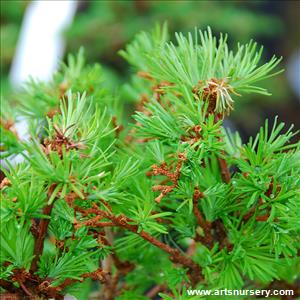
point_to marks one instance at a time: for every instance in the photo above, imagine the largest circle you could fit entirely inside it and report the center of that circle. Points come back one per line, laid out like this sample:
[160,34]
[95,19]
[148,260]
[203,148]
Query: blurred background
[104,27]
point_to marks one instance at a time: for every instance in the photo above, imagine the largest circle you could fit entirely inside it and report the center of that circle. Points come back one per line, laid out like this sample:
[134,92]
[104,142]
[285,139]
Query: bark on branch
[41,231]
[175,255]
[205,225]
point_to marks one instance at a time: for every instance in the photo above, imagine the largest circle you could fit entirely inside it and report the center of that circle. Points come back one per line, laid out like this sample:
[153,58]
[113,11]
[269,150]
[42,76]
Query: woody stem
[175,255]
[41,232]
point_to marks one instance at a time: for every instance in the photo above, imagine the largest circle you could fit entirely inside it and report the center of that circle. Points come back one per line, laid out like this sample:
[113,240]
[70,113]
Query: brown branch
[110,288]
[108,291]
[217,227]
[200,219]
[225,174]
[205,225]
[8,286]
[125,266]
[118,128]
[264,217]
[42,231]
[175,255]
[220,235]
[155,290]
[24,288]
[93,222]
[26,282]
[99,274]
[105,224]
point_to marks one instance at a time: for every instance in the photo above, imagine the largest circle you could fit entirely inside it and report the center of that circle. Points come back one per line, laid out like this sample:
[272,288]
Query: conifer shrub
[108,204]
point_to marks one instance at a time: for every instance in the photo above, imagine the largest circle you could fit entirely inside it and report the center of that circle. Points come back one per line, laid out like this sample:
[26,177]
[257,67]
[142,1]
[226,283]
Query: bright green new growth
[173,201]
[201,57]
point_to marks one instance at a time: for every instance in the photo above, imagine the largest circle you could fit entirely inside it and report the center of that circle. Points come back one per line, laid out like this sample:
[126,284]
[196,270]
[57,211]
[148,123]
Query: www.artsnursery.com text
[227,292]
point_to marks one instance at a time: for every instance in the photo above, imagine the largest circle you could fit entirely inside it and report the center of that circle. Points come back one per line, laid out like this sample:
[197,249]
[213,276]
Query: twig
[264,217]
[220,235]
[99,274]
[42,231]
[155,290]
[118,128]
[175,255]
[205,225]
[110,287]
[225,174]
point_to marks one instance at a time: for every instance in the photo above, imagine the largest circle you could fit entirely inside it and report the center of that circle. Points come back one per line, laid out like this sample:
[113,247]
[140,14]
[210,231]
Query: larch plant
[102,209]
